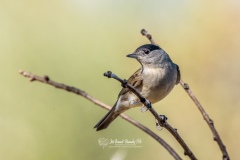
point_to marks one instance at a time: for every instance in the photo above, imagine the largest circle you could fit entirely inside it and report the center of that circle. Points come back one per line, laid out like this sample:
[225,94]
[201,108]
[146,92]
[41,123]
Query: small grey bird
[154,80]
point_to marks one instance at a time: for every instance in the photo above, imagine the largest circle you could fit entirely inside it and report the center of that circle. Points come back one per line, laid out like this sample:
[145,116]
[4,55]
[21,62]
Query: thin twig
[47,80]
[161,121]
[149,36]
[209,121]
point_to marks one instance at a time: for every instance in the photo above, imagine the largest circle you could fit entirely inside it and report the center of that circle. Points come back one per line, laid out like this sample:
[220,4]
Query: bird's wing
[178,75]
[135,80]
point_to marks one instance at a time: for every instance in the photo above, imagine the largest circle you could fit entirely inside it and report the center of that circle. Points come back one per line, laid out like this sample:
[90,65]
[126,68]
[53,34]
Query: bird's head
[149,54]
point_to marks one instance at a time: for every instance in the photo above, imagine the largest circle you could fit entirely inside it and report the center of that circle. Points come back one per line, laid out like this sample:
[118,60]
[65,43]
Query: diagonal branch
[47,80]
[209,121]
[162,121]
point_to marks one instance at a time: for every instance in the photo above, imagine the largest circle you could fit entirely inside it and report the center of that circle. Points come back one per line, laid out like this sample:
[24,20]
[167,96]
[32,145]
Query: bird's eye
[146,51]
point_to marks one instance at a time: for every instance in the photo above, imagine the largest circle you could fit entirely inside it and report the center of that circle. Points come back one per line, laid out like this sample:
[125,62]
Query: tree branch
[47,80]
[162,121]
[209,121]
[149,36]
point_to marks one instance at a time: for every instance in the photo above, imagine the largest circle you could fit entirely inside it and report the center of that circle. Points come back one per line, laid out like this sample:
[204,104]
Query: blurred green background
[75,42]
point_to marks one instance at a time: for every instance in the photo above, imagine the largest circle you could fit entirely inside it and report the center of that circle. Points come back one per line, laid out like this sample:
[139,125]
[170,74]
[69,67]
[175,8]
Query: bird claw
[163,117]
[144,108]
[147,106]
[158,126]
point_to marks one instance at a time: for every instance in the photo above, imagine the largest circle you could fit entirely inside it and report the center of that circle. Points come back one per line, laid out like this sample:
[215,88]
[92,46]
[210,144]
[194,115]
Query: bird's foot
[144,108]
[147,106]
[160,126]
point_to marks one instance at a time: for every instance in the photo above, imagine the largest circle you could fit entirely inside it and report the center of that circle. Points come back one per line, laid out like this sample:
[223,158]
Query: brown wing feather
[135,80]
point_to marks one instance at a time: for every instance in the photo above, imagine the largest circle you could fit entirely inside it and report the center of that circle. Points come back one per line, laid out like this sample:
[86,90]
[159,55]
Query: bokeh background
[76,41]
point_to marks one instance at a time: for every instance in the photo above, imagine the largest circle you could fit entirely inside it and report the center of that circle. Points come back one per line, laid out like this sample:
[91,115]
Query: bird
[154,81]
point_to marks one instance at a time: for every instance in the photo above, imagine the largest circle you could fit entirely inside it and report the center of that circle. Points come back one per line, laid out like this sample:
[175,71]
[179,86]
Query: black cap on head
[151,47]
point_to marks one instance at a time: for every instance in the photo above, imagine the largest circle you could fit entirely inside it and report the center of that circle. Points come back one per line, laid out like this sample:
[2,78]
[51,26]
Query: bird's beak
[133,55]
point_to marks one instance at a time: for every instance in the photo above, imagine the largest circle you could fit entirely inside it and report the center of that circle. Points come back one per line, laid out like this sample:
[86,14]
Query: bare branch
[47,80]
[161,121]
[209,121]
[145,33]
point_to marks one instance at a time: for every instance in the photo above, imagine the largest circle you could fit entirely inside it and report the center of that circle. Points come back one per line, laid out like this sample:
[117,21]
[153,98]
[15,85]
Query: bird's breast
[158,82]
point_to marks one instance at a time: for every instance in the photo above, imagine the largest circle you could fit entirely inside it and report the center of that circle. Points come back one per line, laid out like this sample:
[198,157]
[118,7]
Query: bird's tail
[107,119]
